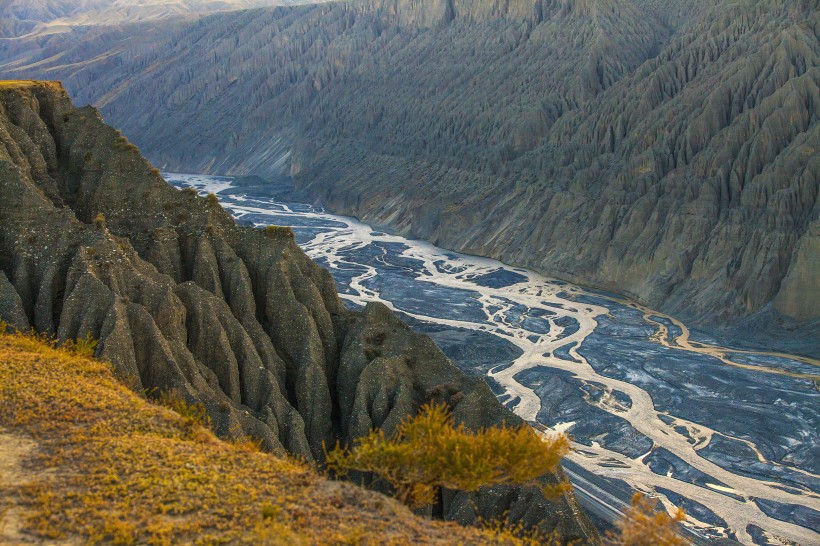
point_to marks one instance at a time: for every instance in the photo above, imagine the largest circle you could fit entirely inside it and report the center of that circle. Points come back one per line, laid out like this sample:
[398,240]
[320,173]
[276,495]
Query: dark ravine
[664,150]
[93,240]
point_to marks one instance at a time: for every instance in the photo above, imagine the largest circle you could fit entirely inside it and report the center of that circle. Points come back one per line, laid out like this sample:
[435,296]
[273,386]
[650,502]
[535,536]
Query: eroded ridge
[563,333]
[93,242]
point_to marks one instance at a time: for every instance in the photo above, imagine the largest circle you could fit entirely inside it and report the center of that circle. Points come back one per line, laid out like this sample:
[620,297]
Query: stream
[731,435]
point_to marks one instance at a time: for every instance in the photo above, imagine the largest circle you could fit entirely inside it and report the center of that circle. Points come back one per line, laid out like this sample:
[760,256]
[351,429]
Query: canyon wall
[670,153]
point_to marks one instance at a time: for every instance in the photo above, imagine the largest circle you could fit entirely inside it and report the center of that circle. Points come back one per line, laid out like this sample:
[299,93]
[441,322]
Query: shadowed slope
[667,152]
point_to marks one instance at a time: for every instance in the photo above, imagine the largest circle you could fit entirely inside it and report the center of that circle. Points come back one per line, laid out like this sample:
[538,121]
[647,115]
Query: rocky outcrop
[94,241]
[663,150]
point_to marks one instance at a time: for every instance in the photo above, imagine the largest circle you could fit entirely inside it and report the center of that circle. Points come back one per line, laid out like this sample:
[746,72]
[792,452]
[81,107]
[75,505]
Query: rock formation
[94,241]
[667,150]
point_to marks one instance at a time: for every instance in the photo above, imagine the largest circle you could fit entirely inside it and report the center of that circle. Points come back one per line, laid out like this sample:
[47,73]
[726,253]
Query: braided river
[731,435]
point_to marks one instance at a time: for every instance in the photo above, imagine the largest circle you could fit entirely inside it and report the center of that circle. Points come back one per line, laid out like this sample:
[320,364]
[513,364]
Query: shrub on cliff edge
[430,452]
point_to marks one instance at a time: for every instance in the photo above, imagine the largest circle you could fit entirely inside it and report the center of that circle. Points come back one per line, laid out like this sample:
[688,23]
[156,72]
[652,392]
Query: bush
[194,413]
[212,200]
[272,232]
[644,525]
[121,143]
[99,220]
[84,347]
[429,451]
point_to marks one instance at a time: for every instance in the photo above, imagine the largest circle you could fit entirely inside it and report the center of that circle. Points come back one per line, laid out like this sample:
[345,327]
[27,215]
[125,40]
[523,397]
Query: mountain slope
[49,16]
[85,458]
[666,152]
[94,242]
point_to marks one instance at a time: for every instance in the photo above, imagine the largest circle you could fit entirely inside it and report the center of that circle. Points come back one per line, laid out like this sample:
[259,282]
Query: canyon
[599,217]
[94,242]
[727,433]
[666,152]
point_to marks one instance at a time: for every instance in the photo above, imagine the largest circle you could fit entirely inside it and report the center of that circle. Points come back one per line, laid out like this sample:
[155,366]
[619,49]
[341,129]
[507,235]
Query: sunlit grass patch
[112,468]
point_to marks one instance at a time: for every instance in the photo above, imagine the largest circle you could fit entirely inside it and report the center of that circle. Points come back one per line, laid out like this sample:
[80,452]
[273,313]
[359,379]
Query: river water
[730,435]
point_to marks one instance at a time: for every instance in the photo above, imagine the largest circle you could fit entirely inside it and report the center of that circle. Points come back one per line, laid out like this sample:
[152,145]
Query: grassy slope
[83,459]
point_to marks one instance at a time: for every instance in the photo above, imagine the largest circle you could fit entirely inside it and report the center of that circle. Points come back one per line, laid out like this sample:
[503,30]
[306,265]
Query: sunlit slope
[85,460]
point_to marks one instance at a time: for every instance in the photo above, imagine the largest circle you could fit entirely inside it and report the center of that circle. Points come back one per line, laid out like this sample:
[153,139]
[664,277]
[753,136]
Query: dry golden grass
[110,467]
[13,84]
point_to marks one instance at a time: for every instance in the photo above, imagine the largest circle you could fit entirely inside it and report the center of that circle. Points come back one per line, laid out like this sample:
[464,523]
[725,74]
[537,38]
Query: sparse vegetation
[122,144]
[212,200]
[82,347]
[123,471]
[99,220]
[429,451]
[195,413]
[645,525]
[272,232]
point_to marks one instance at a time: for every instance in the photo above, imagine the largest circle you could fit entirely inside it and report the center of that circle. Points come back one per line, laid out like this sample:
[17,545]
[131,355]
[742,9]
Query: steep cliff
[94,241]
[665,151]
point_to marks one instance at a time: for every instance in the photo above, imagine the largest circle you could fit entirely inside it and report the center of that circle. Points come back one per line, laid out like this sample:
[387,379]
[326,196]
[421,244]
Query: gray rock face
[667,150]
[93,240]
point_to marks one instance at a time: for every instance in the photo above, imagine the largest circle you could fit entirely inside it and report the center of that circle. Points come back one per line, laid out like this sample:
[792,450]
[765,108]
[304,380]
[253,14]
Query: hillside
[85,460]
[94,242]
[46,17]
[664,151]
